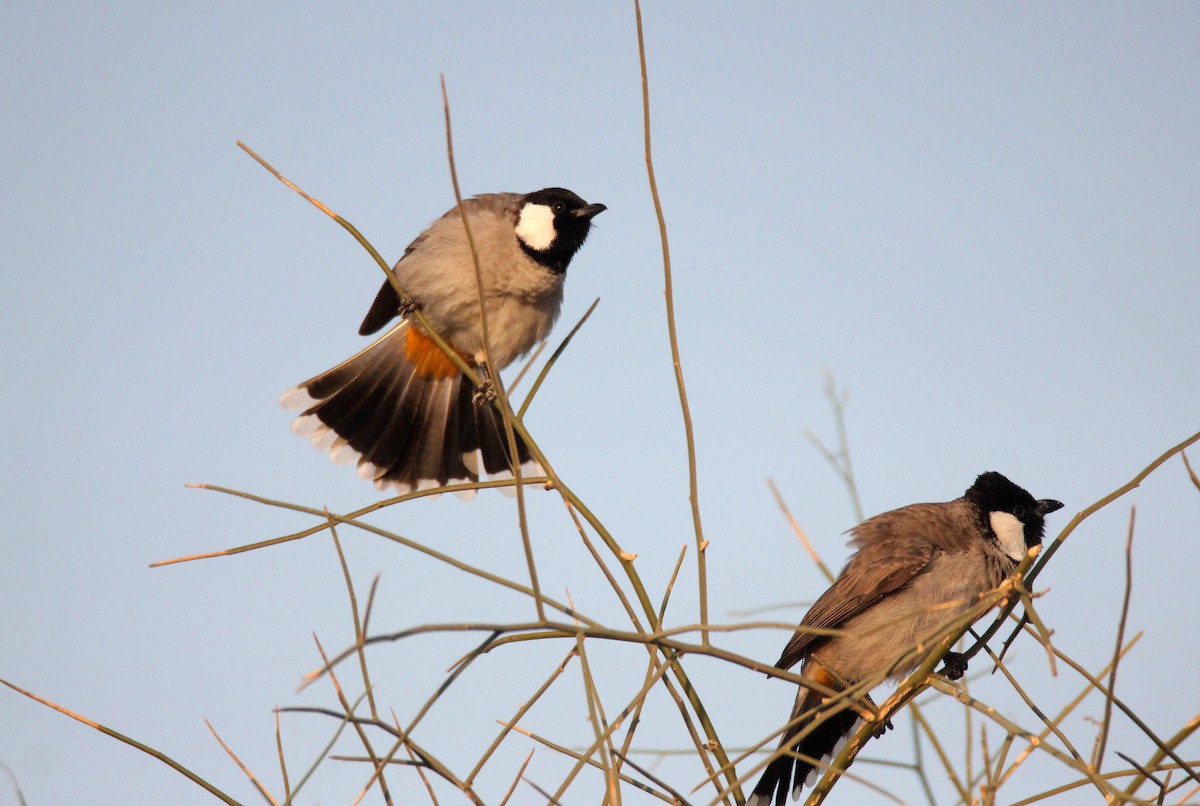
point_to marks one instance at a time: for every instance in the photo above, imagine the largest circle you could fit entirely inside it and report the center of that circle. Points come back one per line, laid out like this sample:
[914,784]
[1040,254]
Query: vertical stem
[701,543]
[493,374]
[839,416]
[1102,740]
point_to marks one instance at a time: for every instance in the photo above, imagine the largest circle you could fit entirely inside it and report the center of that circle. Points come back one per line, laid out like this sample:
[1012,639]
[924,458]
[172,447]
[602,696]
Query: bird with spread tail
[401,410]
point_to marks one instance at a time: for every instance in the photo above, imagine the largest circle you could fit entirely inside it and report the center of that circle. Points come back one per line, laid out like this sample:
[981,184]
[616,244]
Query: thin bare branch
[517,779]
[676,362]
[537,384]
[150,751]
[566,751]
[804,541]
[358,726]
[496,381]
[1102,739]
[1191,473]
[839,461]
[262,790]
[653,778]
[524,709]
[287,786]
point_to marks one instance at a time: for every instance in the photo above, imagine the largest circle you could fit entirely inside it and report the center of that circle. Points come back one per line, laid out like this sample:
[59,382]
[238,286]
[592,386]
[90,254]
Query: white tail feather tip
[296,399]
[343,454]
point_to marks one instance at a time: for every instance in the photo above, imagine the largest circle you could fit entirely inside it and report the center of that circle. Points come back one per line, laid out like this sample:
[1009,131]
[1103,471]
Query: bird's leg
[485,392]
[954,665]
[869,712]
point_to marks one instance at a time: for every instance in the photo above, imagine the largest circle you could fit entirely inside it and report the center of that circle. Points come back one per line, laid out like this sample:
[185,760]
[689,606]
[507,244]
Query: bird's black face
[1009,514]
[552,224]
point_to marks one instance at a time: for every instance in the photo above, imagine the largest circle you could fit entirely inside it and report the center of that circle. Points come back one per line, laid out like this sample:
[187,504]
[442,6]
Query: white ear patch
[1010,533]
[535,226]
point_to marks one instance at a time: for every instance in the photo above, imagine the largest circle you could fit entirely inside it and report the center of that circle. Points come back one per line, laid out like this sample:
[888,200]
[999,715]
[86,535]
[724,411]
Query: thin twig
[16,785]
[1191,473]
[351,519]
[150,751]
[418,766]
[653,778]
[918,764]
[1179,738]
[612,582]
[635,719]
[1079,764]
[325,751]
[662,640]
[839,461]
[262,790]
[1061,716]
[600,726]
[668,295]
[947,764]
[359,634]
[287,786]
[804,541]
[1165,747]
[424,758]
[525,706]
[358,728]
[566,751]
[537,383]
[417,314]
[662,608]
[493,370]
[517,779]
[603,736]
[1102,740]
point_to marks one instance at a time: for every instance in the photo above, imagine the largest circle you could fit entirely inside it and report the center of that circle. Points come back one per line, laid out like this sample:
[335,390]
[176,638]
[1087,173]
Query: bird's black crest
[551,196]
[993,492]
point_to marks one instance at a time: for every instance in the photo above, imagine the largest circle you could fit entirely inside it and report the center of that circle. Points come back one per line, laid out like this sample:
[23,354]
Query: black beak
[1048,505]
[589,211]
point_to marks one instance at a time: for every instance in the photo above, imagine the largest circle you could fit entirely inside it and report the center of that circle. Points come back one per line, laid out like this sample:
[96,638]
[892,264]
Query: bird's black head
[1008,514]
[552,224]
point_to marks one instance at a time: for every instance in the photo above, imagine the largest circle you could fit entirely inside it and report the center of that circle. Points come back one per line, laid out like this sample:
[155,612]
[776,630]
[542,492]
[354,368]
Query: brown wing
[387,302]
[880,568]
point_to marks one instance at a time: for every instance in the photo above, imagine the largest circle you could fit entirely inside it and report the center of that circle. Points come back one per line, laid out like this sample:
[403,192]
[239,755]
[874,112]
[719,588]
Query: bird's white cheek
[535,226]
[1010,534]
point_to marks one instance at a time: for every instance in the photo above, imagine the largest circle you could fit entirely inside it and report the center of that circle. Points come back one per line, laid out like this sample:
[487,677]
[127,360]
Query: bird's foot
[407,306]
[883,728]
[954,665]
[484,393]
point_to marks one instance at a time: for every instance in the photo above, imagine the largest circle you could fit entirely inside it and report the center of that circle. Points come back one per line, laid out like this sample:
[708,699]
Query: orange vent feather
[427,358]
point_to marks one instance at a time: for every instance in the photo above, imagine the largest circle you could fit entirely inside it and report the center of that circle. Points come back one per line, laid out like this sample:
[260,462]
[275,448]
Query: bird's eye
[559,207]
[1019,511]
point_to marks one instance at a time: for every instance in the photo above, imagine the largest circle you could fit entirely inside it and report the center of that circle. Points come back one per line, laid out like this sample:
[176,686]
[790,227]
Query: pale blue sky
[983,219]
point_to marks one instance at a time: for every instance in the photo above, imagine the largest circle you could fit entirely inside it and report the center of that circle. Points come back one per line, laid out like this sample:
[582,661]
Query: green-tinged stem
[693,491]
[150,751]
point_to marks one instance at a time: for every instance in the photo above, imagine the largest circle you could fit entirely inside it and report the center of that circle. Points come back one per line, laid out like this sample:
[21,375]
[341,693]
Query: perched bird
[401,409]
[915,570]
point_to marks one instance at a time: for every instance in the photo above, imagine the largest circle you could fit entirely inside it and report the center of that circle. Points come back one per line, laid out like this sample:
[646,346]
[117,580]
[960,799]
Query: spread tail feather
[404,429]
